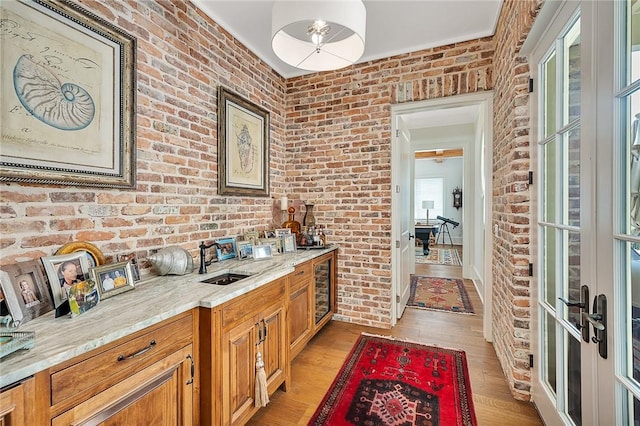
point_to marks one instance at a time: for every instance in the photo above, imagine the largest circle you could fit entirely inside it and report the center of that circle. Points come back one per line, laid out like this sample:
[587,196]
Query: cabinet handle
[264,334]
[193,369]
[140,352]
[300,273]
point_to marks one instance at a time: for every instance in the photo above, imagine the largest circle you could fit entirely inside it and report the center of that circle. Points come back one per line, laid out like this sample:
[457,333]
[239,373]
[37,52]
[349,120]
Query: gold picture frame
[243,146]
[94,255]
[113,279]
[82,132]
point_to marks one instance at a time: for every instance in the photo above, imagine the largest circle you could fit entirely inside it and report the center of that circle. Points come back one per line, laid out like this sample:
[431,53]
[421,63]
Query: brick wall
[336,153]
[339,147]
[182,58]
[511,197]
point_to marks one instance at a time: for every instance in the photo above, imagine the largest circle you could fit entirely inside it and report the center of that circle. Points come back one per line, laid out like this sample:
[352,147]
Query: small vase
[309,219]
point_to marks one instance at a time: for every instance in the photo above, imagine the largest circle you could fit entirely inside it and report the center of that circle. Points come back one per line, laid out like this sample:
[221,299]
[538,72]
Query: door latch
[598,319]
[583,304]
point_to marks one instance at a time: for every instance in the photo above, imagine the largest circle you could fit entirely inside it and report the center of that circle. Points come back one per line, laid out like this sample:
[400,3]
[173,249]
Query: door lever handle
[594,320]
[572,303]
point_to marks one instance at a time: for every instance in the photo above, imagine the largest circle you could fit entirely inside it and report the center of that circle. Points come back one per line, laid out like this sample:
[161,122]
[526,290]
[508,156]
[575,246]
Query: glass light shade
[341,46]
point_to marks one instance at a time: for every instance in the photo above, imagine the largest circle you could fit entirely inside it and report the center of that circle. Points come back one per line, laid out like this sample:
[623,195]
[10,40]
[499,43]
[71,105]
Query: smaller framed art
[226,248]
[281,232]
[82,297]
[289,244]
[245,249]
[133,259]
[262,252]
[252,236]
[275,243]
[25,291]
[113,279]
[63,271]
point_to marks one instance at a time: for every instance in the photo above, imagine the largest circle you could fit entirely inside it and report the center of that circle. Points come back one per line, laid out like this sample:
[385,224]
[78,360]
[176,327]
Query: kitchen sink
[225,279]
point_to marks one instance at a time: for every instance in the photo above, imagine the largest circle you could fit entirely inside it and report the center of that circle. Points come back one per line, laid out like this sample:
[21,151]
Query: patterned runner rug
[442,294]
[387,382]
[439,256]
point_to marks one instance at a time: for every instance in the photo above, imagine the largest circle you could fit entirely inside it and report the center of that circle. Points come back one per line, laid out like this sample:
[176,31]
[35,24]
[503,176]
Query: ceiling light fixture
[318,35]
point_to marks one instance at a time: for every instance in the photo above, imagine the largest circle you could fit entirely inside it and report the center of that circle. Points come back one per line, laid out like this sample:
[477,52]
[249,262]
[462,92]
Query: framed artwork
[252,236]
[262,252]
[133,259]
[25,290]
[281,232]
[275,243]
[113,279]
[226,248]
[94,255]
[289,244]
[68,113]
[63,271]
[82,297]
[245,249]
[243,146]
[270,233]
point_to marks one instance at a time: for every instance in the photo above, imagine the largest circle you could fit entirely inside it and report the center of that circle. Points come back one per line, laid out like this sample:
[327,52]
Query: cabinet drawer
[303,272]
[249,304]
[104,369]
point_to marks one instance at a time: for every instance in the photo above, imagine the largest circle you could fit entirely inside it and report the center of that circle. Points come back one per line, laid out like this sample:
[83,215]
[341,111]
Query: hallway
[314,369]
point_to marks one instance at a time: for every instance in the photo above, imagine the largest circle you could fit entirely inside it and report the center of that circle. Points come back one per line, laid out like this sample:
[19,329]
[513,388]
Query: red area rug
[387,382]
[442,294]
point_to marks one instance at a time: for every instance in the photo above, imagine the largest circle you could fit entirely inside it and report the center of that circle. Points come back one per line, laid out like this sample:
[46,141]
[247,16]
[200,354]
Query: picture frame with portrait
[289,244]
[113,279]
[63,271]
[133,259]
[226,248]
[282,232]
[275,243]
[25,291]
[252,236]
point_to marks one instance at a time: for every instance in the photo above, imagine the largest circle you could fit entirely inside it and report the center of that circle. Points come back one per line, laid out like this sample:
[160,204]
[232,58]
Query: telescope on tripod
[445,220]
[444,228]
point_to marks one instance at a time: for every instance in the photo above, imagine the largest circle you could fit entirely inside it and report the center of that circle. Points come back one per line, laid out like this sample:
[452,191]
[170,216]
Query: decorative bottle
[309,219]
[291,223]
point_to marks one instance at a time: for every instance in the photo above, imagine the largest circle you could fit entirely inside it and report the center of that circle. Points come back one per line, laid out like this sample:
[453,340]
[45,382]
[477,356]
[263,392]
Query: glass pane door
[559,231]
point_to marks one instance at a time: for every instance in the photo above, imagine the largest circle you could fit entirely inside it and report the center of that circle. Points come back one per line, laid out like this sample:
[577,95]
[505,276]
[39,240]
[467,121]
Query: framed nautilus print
[243,146]
[68,108]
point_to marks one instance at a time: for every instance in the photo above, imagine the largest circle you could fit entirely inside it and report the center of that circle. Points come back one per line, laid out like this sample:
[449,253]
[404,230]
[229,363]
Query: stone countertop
[154,299]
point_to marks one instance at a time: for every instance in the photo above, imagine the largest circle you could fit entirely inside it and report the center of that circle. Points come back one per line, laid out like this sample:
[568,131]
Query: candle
[284,203]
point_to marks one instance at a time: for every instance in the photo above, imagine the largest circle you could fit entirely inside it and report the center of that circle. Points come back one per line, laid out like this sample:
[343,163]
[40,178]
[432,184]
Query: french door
[586,124]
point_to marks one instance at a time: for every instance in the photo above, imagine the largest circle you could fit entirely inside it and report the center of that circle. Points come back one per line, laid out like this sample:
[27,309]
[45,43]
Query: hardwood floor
[314,369]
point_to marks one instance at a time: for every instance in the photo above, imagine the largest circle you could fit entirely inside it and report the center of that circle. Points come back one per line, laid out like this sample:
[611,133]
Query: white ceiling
[393,26]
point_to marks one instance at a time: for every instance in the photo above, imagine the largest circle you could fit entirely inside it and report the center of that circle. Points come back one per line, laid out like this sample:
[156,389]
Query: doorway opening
[455,123]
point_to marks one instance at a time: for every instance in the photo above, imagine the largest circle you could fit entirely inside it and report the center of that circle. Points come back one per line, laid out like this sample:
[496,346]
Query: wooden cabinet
[17,405]
[250,323]
[146,378]
[300,319]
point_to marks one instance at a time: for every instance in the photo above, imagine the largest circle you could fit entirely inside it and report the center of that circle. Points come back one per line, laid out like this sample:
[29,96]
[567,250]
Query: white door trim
[471,159]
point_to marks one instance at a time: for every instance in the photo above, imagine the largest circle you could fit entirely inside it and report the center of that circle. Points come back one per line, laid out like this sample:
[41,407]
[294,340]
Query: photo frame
[132,258]
[82,296]
[94,255]
[226,248]
[61,275]
[270,233]
[113,279]
[262,252]
[289,244]
[86,140]
[26,291]
[252,236]
[275,243]
[281,232]
[243,146]
[245,249]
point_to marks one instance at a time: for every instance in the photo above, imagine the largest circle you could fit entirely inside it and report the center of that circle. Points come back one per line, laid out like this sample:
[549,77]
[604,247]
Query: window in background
[428,189]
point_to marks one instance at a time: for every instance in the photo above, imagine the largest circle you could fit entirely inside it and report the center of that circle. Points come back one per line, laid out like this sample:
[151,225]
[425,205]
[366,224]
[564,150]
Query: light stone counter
[154,299]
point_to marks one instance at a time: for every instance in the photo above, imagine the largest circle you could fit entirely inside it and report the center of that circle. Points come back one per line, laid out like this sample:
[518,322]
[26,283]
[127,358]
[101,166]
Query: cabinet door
[300,322]
[161,394]
[239,372]
[274,347]
[324,280]
[13,405]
